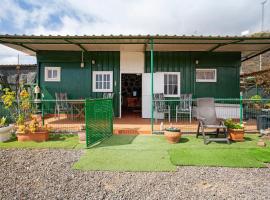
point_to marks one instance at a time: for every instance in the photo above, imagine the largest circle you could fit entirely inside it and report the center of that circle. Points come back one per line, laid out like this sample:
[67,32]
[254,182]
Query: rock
[261,143]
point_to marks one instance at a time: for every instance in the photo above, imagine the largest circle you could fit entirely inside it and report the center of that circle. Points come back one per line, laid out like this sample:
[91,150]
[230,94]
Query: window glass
[103,81]
[171,84]
[49,73]
[205,75]
[52,73]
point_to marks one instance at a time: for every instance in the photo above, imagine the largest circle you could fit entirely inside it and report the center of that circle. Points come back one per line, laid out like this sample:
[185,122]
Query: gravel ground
[47,174]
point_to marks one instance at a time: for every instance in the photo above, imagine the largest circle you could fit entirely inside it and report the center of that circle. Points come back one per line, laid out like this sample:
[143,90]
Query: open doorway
[131,87]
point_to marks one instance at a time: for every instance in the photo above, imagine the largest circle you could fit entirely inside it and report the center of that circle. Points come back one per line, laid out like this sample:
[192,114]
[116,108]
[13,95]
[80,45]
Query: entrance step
[133,131]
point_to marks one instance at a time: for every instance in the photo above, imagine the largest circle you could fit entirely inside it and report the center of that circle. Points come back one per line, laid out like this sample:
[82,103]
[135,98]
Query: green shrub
[229,123]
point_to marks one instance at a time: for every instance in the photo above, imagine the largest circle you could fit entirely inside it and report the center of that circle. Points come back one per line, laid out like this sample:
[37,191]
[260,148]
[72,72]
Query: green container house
[135,67]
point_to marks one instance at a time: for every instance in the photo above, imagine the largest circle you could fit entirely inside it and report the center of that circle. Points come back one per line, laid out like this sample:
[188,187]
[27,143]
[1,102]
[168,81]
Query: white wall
[131,62]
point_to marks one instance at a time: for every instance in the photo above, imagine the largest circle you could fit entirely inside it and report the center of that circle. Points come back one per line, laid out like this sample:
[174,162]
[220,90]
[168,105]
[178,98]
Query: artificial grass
[262,154]
[214,157]
[153,153]
[61,141]
[121,160]
[128,153]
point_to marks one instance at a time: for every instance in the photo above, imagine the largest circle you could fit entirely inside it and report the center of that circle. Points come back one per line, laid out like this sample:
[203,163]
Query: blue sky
[62,17]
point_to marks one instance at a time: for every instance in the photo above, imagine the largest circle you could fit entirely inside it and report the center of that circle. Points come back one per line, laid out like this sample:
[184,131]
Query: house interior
[131,90]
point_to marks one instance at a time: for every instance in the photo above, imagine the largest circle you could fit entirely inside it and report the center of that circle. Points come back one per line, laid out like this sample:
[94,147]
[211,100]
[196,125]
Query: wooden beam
[223,44]
[79,45]
[18,44]
[257,54]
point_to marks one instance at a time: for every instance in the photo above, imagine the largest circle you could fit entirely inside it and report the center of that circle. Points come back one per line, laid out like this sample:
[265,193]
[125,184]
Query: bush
[230,124]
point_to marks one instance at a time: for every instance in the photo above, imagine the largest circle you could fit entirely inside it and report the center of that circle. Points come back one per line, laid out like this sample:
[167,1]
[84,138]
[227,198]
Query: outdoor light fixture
[37,89]
[82,63]
[197,62]
[93,62]
[37,92]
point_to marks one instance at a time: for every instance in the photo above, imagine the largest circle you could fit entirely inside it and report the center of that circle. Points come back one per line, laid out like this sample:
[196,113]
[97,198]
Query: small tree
[263,80]
[20,108]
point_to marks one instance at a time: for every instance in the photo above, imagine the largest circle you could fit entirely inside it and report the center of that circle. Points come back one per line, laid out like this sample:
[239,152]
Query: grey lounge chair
[206,115]
[185,106]
[160,105]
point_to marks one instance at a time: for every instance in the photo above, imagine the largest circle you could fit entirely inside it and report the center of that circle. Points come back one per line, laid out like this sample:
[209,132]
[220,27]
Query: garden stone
[261,143]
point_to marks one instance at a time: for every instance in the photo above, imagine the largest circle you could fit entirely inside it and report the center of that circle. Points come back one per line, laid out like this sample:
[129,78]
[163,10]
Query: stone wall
[12,75]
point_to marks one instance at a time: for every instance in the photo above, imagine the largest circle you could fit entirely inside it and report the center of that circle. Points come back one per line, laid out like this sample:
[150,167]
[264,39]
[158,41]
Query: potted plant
[82,134]
[235,130]
[32,132]
[5,129]
[172,135]
[27,129]
[256,101]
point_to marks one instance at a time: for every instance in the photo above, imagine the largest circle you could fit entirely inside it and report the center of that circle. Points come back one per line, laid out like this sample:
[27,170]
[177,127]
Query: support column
[241,108]
[152,82]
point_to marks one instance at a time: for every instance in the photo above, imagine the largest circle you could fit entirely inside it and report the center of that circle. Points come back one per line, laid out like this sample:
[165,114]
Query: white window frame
[94,81]
[178,80]
[207,80]
[57,79]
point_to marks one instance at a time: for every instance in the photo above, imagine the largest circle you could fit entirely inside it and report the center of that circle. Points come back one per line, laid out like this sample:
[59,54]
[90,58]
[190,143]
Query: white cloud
[10,56]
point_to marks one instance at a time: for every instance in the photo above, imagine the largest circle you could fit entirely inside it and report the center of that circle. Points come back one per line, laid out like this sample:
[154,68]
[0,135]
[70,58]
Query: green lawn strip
[190,141]
[261,154]
[63,141]
[214,157]
[122,160]
[135,142]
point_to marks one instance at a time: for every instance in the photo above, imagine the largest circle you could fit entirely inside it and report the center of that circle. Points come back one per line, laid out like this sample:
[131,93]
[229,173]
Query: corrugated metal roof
[250,46]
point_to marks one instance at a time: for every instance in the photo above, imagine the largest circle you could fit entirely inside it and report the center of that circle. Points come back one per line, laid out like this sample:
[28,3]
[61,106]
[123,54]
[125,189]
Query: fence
[69,116]
[183,114]
[99,120]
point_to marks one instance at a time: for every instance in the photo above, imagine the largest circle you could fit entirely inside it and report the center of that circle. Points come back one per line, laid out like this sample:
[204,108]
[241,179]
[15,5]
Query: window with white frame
[172,84]
[53,74]
[102,81]
[206,75]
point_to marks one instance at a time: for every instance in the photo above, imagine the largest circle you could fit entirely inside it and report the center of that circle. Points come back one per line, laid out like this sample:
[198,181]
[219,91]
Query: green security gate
[98,120]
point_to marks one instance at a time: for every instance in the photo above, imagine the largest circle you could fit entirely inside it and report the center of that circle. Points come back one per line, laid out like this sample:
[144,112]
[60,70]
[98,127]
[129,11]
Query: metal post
[264,2]
[42,112]
[241,108]
[152,82]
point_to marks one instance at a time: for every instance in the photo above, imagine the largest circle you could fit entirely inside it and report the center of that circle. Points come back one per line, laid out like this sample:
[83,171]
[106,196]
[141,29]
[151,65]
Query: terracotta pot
[236,134]
[82,137]
[38,136]
[173,136]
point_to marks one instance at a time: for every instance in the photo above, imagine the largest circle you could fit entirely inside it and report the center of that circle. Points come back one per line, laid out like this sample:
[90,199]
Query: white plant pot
[5,133]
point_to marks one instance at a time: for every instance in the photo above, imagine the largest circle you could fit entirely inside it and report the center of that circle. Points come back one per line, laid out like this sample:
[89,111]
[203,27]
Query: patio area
[132,124]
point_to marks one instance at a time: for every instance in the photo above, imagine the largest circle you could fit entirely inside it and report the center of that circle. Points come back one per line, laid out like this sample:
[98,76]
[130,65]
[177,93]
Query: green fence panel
[98,120]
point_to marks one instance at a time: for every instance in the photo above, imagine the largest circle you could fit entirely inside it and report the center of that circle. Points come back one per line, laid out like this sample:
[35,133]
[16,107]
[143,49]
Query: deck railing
[179,114]
[68,116]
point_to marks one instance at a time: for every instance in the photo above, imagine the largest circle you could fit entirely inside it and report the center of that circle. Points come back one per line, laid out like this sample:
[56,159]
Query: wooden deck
[131,124]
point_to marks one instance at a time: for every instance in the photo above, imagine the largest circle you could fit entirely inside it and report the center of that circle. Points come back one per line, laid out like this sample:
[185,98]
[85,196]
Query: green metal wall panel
[227,65]
[77,81]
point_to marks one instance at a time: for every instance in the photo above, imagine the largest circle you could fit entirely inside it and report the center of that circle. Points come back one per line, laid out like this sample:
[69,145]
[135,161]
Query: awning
[248,46]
